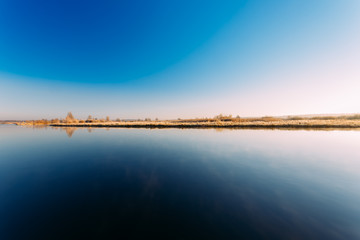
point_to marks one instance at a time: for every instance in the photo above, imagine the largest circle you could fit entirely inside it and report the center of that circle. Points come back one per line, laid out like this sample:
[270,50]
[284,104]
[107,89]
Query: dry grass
[272,123]
[347,121]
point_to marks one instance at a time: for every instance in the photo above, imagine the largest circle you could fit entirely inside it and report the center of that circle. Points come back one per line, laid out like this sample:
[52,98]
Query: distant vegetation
[342,117]
[220,120]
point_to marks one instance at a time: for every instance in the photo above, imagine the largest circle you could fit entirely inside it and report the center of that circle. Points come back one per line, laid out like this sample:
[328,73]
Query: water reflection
[70,131]
[181,184]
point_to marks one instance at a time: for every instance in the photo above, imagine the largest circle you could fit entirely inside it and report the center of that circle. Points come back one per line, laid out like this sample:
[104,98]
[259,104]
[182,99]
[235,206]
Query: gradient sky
[179,58]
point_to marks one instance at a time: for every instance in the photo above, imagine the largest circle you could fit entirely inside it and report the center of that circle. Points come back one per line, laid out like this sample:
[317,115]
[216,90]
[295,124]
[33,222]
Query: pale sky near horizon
[171,59]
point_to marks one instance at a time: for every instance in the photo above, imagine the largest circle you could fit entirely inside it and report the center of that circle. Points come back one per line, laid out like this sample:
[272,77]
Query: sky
[178,59]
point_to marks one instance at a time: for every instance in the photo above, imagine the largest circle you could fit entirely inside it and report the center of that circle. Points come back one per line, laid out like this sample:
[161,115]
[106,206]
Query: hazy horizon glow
[136,59]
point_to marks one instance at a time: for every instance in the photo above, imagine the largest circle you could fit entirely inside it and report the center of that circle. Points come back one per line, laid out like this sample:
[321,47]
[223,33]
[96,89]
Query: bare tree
[218,116]
[69,117]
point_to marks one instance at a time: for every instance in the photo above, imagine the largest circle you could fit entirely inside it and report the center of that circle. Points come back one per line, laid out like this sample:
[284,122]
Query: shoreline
[285,124]
[202,124]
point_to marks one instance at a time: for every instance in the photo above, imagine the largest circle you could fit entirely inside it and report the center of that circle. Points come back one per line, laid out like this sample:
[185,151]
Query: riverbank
[316,124]
[220,121]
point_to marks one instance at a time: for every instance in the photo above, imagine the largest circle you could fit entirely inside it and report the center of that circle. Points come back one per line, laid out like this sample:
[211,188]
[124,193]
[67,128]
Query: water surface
[179,184]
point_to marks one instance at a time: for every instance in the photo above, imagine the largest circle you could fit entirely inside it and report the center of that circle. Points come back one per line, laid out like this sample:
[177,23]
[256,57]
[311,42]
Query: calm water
[179,184]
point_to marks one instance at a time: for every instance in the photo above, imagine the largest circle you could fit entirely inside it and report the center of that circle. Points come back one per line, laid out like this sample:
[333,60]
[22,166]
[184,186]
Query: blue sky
[170,59]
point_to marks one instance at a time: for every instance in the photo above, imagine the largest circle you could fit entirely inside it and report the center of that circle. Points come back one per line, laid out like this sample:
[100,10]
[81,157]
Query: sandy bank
[221,124]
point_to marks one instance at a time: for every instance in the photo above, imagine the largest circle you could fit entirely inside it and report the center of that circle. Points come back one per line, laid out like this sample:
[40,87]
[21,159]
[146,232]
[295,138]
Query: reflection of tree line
[68,130]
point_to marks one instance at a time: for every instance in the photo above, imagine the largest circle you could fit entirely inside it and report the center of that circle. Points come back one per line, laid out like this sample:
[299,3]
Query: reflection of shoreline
[69,130]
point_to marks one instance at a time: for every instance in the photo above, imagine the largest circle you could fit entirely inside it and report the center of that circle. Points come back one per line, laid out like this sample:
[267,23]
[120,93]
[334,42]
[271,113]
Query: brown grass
[346,121]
